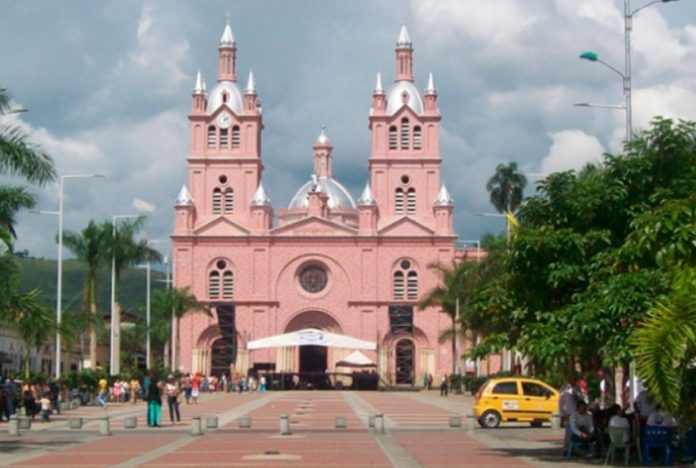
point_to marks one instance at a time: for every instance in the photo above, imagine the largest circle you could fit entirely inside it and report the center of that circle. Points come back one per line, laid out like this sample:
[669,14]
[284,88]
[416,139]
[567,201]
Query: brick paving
[416,423]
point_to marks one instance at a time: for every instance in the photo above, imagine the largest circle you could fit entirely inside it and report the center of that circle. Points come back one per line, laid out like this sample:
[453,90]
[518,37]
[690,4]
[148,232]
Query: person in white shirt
[618,420]
[581,426]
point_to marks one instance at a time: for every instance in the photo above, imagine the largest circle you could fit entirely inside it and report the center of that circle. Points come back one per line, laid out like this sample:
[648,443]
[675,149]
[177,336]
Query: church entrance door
[313,359]
[405,362]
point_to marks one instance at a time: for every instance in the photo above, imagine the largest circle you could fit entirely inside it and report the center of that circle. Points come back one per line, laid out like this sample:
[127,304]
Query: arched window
[393,138]
[217,201]
[211,136]
[412,286]
[411,201]
[227,285]
[229,201]
[235,136]
[224,137]
[214,285]
[224,97]
[404,133]
[417,138]
[399,201]
[398,285]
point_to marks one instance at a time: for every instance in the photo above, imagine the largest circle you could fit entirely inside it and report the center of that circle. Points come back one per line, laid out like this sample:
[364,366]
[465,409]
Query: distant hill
[41,274]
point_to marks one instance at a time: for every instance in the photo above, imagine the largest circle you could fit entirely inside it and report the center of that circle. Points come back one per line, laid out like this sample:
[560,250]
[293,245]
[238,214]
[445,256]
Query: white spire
[404,38]
[367,198]
[251,84]
[184,198]
[198,89]
[227,38]
[443,197]
[323,139]
[260,198]
[379,89]
[430,89]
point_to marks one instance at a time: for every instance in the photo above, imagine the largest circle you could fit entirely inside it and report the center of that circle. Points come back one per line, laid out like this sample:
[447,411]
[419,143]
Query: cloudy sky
[107,86]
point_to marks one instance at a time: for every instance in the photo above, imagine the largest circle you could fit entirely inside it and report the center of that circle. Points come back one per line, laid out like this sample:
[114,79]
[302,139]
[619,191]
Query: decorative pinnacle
[184,198]
[404,38]
[430,89]
[198,89]
[251,84]
[367,198]
[323,139]
[443,197]
[227,39]
[260,198]
[379,89]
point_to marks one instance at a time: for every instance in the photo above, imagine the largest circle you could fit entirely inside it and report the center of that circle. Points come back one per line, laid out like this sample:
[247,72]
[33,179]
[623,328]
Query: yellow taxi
[515,399]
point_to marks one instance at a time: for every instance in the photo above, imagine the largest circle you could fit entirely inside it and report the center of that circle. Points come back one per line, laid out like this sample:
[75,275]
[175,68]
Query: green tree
[506,187]
[125,251]
[89,246]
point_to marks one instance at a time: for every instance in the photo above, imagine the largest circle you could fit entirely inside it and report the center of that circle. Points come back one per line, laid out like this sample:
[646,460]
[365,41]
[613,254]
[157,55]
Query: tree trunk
[178,343]
[26,364]
[454,345]
[92,331]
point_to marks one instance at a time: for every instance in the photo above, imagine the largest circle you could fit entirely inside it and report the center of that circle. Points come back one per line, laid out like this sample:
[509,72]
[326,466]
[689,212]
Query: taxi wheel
[536,423]
[490,419]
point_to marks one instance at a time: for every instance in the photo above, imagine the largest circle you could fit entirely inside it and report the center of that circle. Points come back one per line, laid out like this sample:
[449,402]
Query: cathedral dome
[395,97]
[216,97]
[338,195]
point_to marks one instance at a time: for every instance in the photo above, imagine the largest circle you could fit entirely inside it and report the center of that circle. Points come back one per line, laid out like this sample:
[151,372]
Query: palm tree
[90,247]
[176,302]
[450,291]
[124,251]
[506,187]
[665,346]
[33,321]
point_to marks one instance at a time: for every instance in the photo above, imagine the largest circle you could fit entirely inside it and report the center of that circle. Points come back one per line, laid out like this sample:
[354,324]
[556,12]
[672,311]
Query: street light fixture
[115,361]
[59,279]
[626,74]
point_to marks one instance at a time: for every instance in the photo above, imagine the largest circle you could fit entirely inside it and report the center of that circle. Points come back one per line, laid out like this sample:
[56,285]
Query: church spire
[322,154]
[228,55]
[404,56]
[379,89]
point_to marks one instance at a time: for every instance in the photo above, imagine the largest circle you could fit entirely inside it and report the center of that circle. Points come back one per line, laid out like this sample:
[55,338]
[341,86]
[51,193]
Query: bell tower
[225,165]
[405,159]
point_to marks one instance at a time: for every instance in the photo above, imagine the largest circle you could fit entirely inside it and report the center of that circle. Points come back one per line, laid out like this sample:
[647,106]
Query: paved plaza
[417,433]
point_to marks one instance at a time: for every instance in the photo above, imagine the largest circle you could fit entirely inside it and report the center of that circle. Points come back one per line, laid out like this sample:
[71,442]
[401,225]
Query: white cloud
[571,149]
[600,12]
[143,206]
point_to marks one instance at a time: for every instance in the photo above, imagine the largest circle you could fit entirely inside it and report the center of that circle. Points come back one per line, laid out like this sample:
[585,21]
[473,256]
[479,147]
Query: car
[515,399]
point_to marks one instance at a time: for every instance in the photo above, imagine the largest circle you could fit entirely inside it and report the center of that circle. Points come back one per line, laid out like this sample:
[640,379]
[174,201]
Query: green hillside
[41,274]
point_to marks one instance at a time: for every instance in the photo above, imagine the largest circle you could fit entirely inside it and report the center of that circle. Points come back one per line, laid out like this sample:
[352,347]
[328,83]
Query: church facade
[328,262]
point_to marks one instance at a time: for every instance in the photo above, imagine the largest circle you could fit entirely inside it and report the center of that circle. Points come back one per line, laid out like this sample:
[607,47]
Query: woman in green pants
[154,403]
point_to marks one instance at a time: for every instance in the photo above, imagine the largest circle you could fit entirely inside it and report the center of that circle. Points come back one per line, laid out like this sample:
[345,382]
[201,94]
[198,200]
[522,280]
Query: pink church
[355,268]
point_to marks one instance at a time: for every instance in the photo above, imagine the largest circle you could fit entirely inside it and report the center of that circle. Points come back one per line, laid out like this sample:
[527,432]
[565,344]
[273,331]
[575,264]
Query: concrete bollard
[556,422]
[340,422]
[24,423]
[74,404]
[104,426]
[75,423]
[13,426]
[196,428]
[64,406]
[211,422]
[470,423]
[284,424]
[130,422]
[455,421]
[245,422]
[379,423]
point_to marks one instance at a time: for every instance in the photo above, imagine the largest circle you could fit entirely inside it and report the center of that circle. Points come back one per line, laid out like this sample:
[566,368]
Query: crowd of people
[36,398]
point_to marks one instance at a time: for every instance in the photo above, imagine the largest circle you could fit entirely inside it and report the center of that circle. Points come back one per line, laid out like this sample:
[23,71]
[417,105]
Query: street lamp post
[115,361]
[148,350]
[626,79]
[59,274]
[626,74]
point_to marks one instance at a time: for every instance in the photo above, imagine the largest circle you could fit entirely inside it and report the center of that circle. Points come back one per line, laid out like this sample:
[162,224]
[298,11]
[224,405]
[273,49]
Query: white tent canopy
[356,359]
[311,336]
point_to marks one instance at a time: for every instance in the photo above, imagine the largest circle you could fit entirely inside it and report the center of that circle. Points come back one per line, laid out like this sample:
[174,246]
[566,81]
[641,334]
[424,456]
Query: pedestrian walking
[134,390]
[102,393]
[262,384]
[443,386]
[186,387]
[154,403]
[171,389]
[45,403]
[195,387]
[54,394]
